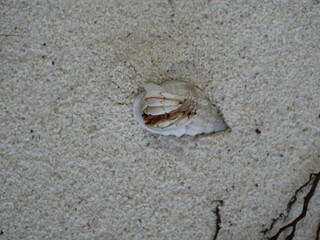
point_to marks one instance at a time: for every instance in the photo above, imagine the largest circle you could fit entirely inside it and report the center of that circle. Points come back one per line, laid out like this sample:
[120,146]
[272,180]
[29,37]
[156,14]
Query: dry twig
[314,180]
[218,218]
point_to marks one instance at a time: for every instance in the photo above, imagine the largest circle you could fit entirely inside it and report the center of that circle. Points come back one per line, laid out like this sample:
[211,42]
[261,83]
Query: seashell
[176,108]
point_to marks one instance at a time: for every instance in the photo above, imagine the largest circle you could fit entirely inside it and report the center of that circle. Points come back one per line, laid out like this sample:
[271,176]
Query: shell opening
[184,112]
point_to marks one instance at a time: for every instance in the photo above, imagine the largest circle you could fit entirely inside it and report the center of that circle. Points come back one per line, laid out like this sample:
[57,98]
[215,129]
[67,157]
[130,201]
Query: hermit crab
[176,108]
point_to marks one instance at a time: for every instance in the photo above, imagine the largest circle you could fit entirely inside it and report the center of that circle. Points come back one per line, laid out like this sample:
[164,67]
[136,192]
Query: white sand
[75,164]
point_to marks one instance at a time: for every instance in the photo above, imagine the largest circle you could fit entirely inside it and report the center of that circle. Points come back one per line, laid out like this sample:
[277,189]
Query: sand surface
[76,165]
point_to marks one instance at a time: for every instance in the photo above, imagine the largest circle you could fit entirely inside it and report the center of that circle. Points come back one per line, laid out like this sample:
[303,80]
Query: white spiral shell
[176,108]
